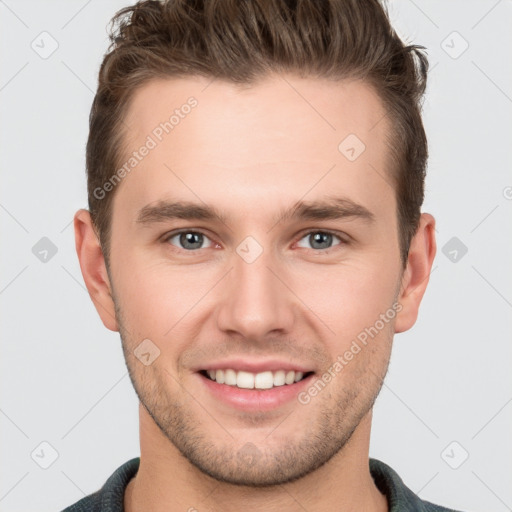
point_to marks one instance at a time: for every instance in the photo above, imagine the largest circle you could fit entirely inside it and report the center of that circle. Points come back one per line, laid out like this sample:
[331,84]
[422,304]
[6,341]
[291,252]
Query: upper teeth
[247,380]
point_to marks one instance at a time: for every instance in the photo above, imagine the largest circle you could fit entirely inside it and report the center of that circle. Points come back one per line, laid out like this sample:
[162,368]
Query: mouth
[264,390]
[260,381]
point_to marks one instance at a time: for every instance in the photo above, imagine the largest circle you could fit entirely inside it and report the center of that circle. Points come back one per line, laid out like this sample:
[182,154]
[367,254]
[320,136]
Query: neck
[166,481]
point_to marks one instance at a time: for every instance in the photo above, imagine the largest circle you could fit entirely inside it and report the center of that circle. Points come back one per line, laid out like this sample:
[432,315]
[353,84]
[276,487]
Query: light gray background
[64,380]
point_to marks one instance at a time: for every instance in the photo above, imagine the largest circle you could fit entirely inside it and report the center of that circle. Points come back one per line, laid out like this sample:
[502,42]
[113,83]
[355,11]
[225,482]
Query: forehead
[277,106]
[282,135]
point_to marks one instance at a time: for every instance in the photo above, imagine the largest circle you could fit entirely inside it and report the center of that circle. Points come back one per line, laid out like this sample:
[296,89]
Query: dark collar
[400,498]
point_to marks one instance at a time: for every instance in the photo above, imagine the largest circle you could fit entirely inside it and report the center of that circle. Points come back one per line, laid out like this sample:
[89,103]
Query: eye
[320,240]
[195,240]
[189,240]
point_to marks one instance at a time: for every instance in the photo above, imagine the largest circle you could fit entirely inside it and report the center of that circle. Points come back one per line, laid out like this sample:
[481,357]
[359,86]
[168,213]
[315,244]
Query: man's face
[261,290]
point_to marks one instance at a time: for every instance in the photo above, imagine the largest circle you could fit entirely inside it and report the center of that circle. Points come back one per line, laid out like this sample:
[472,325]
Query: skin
[252,152]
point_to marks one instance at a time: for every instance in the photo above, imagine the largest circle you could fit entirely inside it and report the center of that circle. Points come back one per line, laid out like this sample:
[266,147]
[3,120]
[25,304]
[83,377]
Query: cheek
[348,298]
[154,297]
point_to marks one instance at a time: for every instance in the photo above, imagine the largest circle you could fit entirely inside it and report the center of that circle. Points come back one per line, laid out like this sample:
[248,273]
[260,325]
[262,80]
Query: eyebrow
[331,208]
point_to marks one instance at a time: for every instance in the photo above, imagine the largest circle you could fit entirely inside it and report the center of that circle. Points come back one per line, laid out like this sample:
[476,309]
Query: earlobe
[94,272]
[417,272]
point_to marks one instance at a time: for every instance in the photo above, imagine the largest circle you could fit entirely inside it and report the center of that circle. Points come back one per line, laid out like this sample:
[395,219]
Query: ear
[94,271]
[417,272]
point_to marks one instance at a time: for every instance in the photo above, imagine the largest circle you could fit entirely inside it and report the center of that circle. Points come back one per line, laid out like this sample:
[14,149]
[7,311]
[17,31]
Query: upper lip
[254,366]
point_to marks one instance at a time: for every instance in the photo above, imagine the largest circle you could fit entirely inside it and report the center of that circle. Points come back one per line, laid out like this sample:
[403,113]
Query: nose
[257,301]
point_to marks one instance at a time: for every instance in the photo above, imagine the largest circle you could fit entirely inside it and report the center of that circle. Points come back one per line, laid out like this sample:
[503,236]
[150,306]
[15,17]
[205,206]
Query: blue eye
[189,240]
[320,240]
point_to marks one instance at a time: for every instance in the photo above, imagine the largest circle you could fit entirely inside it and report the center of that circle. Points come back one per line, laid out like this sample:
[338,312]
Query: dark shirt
[400,498]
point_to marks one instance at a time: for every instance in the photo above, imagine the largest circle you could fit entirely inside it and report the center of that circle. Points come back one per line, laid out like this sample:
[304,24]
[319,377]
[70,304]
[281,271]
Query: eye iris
[191,240]
[324,239]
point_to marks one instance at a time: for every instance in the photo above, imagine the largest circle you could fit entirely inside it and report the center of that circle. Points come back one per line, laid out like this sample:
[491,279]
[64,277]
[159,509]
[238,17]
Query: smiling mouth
[261,381]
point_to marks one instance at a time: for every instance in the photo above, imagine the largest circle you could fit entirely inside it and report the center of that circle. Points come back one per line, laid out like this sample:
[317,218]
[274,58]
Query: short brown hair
[242,41]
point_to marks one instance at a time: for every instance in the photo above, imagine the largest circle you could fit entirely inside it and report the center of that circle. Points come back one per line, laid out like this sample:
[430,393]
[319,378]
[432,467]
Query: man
[255,178]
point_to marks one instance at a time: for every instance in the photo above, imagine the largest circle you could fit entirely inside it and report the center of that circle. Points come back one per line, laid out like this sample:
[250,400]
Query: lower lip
[255,399]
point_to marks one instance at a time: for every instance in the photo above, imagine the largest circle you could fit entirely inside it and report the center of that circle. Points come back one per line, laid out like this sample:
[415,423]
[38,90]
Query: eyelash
[340,237]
